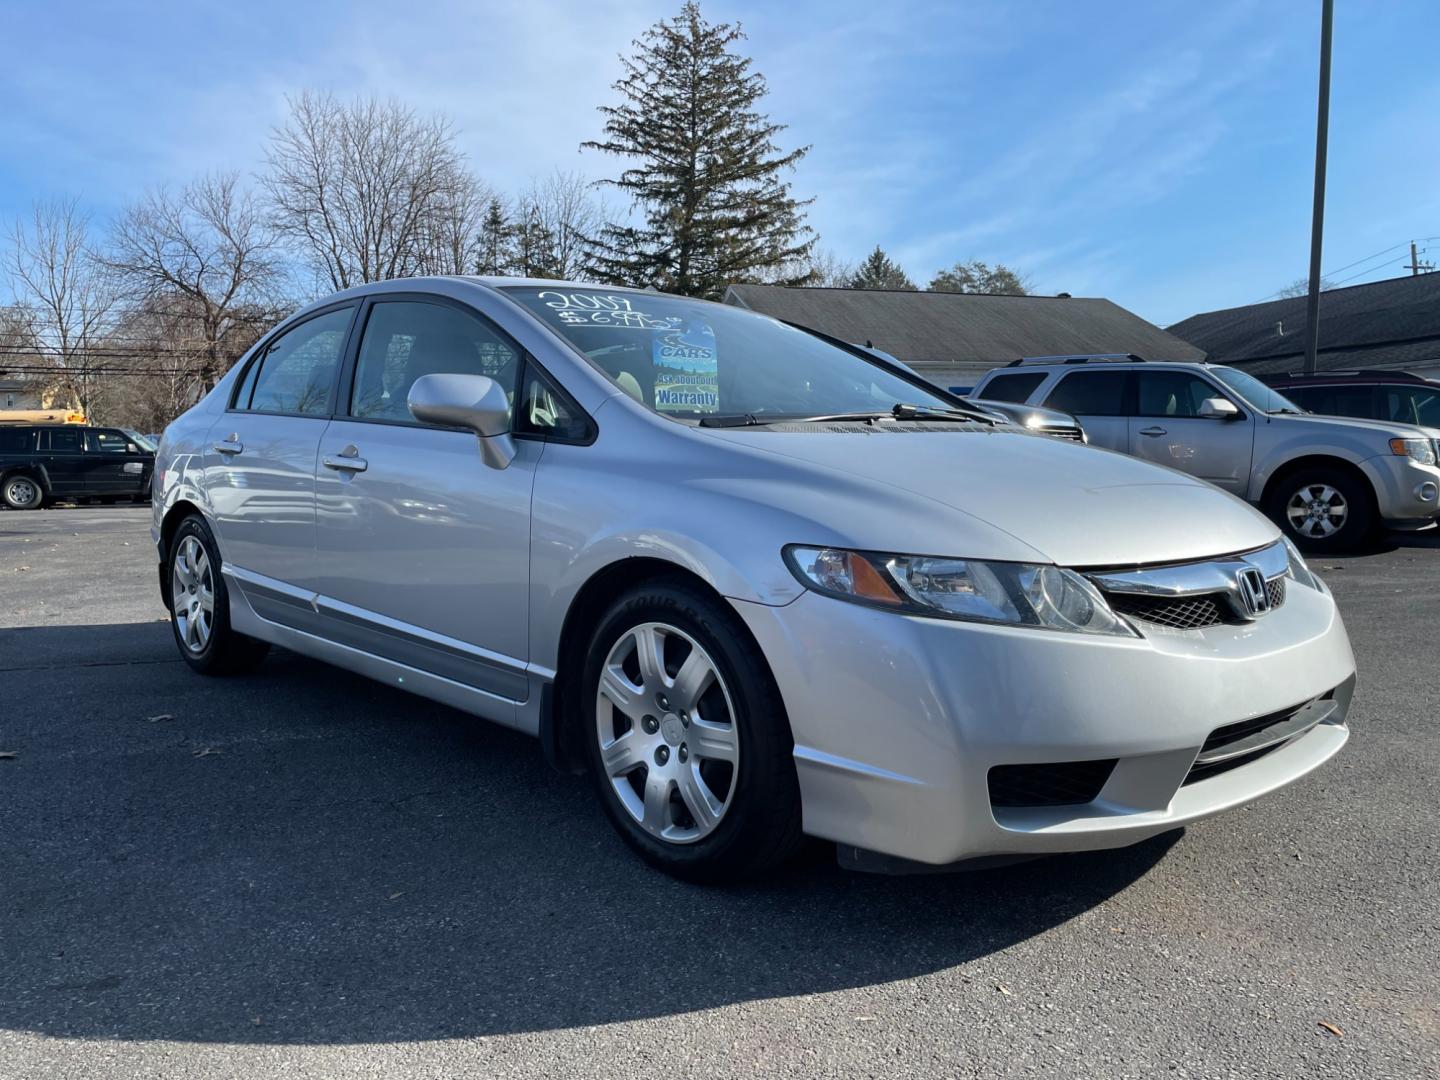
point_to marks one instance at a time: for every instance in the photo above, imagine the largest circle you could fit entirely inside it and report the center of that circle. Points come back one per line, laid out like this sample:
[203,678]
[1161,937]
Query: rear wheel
[200,606]
[687,736]
[22,492]
[1324,510]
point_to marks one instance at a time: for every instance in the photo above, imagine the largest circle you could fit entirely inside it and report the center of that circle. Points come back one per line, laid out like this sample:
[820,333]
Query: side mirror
[474,402]
[1219,408]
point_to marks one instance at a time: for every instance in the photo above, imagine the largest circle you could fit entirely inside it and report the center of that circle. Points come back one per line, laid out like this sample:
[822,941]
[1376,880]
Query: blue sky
[1156,153]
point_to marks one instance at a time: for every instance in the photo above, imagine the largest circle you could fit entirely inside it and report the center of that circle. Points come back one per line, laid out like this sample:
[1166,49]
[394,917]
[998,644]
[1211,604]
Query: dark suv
[41,462]
[1369,395]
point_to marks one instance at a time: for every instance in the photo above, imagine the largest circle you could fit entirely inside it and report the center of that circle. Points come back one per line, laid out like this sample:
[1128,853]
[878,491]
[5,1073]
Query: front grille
[1230,746]
[1176,612]
[1275,590]
[1187,612]
[1059,783]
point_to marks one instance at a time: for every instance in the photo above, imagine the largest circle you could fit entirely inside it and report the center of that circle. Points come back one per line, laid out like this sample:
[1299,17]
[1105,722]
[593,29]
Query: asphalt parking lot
[306,873]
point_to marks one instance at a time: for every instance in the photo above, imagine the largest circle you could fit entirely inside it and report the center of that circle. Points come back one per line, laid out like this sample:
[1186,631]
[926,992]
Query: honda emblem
[1250,584]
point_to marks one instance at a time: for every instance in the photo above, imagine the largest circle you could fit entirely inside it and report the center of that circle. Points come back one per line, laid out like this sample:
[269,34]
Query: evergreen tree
[976,277]
[706,170]
[879,271]
[534,246]
[494,246]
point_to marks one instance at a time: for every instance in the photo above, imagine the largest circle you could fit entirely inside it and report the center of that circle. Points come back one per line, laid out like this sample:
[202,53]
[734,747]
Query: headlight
[1018,594]
[1298,569]
[1421,450]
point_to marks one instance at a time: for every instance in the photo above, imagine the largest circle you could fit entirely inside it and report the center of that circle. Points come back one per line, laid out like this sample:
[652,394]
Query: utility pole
[1416,266]
[1317,221]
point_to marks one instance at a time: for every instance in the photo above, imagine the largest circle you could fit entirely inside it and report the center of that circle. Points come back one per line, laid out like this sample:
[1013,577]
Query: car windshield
[139,440]
[692,360]
[1255,392]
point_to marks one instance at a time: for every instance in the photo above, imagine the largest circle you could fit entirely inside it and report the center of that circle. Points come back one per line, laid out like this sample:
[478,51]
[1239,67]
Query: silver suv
[1328,481]
[756,582]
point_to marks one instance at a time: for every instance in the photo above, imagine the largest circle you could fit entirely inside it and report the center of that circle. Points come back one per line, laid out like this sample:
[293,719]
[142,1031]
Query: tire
[729,746]
[21,491]
[203,634]
[1324,510]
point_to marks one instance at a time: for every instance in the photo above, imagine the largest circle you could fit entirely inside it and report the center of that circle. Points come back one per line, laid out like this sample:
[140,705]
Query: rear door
[1098,399]
[62,453]
[260,460]
[1166,427]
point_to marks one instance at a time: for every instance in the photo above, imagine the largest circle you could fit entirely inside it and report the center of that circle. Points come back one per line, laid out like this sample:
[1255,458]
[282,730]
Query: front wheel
[21,492]
[200,606]
[687,736]
[1324,510]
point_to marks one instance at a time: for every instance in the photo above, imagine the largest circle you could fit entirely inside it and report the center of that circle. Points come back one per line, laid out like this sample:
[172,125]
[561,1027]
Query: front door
[1167,428]
[423,551]
[114,464]
[260,460]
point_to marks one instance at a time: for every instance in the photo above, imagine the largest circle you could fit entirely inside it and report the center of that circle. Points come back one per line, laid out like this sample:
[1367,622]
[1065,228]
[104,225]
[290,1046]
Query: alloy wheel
[1317,511]
[192,594]
[668,739]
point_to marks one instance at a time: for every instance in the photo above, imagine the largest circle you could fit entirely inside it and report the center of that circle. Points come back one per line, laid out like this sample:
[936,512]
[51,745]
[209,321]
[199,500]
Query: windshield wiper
[904,411]
[732,420]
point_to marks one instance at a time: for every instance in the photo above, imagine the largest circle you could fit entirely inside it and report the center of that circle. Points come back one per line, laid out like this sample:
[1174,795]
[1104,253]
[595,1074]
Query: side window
[106,442]
[64,440]
[1090,393]
[1411,406]
[407,339]
[1304,396]
[547,410]
[1358,401]
[297,373]
[1014,388]
[16,440]
[1171,393]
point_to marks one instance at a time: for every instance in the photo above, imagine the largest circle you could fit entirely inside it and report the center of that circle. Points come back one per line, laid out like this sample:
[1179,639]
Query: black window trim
[351,362]
[257,357]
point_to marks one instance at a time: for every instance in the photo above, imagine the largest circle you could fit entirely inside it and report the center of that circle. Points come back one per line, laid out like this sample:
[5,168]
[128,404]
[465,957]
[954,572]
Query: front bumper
[898,721]
[1407,493]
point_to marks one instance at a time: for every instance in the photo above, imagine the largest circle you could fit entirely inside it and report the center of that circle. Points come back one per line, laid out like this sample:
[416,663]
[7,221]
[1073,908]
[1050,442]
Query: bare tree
[355,184]
[449,230]
[69,293]
[561,214]
[205,257]
[1301,287]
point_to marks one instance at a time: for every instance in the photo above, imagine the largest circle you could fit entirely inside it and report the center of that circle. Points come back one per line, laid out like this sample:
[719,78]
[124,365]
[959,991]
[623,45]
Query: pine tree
[706,173]
[879,271]
[494,246]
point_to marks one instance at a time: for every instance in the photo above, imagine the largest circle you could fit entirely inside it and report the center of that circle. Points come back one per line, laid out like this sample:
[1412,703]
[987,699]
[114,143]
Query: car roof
[1018,367]
[1299,378]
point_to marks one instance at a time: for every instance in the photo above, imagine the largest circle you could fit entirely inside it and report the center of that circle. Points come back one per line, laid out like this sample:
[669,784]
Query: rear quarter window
[15,440]
[1015,388]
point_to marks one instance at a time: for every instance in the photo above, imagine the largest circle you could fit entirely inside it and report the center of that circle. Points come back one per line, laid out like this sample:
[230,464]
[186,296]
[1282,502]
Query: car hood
[1074,504]
[1387,429]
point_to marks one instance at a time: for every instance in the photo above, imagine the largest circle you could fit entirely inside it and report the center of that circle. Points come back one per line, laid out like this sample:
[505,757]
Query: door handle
[1152,431]
[229,446]
[348,460]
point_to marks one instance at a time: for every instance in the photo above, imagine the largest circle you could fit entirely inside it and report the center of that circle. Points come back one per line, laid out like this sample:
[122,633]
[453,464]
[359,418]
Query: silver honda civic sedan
[757,582]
